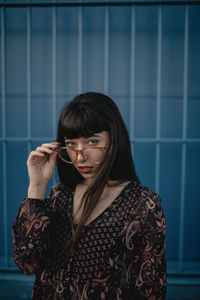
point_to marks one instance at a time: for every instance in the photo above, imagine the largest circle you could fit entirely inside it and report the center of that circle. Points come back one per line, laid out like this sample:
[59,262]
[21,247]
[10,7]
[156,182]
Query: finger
[58,143]
[36,153]
[42,149]
[50,144]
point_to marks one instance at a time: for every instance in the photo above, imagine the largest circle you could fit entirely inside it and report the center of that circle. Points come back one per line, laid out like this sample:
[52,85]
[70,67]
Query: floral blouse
[120,255]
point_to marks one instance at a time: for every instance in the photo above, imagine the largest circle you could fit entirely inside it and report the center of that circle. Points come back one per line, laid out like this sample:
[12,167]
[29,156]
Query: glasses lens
[93,155]
[68,156]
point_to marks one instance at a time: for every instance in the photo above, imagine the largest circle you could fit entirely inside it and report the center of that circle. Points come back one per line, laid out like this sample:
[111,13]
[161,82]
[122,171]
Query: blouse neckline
[112,204]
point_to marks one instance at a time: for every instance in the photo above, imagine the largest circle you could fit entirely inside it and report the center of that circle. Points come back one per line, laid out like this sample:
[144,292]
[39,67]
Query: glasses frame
[102,149]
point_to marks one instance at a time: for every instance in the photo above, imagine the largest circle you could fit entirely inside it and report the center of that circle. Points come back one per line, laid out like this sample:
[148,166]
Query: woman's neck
[87,182]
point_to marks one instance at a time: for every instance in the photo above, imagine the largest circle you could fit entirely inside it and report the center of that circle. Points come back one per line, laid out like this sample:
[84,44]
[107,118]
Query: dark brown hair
[85,115]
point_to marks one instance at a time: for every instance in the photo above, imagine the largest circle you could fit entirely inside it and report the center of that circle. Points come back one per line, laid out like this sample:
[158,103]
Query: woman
[100,234]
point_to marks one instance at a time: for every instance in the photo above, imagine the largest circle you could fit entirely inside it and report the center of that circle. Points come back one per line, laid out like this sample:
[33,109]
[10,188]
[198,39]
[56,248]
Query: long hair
[85,115]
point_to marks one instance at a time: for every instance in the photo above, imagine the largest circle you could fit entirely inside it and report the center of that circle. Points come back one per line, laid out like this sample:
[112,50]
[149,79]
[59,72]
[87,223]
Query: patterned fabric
[119,256]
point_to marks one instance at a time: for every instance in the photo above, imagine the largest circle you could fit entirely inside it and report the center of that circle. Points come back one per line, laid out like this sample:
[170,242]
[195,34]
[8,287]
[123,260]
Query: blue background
[147,58]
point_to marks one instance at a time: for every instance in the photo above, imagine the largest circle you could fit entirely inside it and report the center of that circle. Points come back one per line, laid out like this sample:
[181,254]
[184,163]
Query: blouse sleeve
[146,257]
[32,233]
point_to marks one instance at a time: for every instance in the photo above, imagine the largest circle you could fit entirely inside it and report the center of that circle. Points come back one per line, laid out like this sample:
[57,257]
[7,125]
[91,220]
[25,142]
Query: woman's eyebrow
[95,135]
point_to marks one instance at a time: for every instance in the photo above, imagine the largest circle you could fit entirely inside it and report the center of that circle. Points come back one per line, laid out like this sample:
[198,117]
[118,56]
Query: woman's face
[88,153]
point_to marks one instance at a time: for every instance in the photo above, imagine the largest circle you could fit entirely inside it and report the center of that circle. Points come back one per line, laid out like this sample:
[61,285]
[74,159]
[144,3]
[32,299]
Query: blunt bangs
[82,120]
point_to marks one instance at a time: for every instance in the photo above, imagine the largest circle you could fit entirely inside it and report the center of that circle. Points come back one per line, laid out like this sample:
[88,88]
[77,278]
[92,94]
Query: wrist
[37,191]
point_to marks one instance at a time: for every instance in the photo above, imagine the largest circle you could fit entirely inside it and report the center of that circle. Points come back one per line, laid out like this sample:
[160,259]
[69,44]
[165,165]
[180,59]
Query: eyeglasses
[91,154]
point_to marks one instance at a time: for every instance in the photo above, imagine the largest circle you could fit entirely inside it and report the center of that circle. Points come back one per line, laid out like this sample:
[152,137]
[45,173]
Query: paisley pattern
[119,256]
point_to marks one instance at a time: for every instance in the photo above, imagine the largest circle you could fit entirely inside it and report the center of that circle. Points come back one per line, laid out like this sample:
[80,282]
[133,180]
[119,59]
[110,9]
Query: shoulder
[139,192]
[59,198]
[60,191]
[143,212]
[60,188]
[142,200]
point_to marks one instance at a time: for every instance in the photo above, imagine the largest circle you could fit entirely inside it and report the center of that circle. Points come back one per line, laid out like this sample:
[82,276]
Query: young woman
[100,234]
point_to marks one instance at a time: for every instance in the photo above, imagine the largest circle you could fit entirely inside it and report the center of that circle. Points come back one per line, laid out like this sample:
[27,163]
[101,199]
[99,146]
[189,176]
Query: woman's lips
[85,169]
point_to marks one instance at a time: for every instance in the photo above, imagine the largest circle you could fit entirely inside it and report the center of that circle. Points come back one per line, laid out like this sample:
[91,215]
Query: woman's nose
[80,157]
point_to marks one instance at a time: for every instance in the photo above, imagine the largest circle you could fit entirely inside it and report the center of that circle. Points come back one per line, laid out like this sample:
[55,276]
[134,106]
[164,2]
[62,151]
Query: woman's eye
[93,142]
[69,144]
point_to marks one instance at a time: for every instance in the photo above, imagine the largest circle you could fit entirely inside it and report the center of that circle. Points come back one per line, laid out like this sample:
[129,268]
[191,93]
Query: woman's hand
[41,166]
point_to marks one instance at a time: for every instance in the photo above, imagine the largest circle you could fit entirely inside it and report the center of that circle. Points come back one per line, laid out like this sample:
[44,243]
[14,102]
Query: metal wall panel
[146,57]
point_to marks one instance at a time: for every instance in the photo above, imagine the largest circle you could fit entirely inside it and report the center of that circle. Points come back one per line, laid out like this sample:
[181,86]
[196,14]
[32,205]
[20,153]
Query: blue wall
[147,58]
